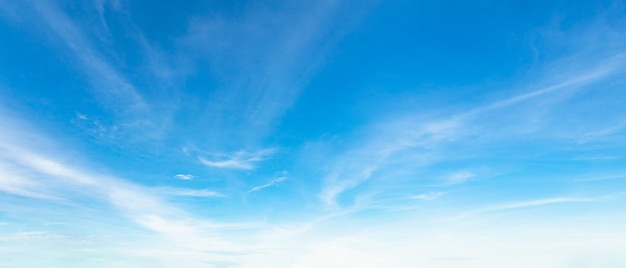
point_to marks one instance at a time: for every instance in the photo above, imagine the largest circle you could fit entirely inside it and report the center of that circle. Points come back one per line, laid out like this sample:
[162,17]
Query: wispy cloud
[266,62]
[92,51]
[270,183]
[114,198]
[47,175]
[534,203]
[109,84]
[428,196]
[425,139]
[603,178]
[256,60]
[230,163]
[381,146]
[600,133]
[184,176]
[20,184]
[238,160]
[459,177]
[526,204]
[188,192]
[594,74]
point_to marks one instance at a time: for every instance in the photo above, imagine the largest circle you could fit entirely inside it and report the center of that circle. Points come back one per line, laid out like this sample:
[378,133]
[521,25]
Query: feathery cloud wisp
[459,177]
[371,154]
[183,176]
[107,81]
[525,204]
[428,196]
[188,192]
[239,160]
[272,182]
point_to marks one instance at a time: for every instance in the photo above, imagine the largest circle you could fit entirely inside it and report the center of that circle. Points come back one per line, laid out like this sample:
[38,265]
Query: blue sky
[312,133]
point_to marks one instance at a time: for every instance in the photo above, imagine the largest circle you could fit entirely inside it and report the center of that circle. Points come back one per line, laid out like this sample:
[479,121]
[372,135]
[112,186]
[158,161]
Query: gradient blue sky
[312,133]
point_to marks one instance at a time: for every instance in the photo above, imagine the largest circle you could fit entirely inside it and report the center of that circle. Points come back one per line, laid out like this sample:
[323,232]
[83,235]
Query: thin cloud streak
[21,185]
[367,186]
[526,204]
[142,206]
[533,203]
[603,178]
[601,70]
[600,133]
[130,198]
[107,81]
[351,171]
[206,193]
[459,177]
[271,183]
[269,62]
[184,177]
[239,160]
[428,196]
[231,163]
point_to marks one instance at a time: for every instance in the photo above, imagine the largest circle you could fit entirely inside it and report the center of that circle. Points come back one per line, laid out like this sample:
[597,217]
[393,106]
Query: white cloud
[142,206]
[230,163]
[336,185]
[269,60]
[162,225]
[385,142]
[600,133]
[424,139]
[20,184]
[183,176]
[602,178]
[457,248]
[428,196]
[270,183]
[533,203]
[525,204]
[189,192]
[90,54]
[594,74]
[459,177]
[238,160]
[69,182]
[108,82]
